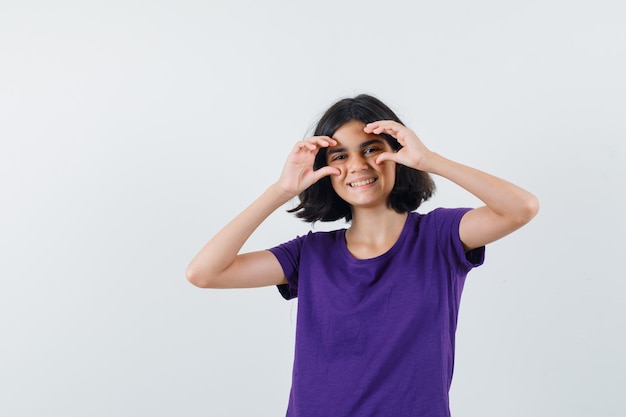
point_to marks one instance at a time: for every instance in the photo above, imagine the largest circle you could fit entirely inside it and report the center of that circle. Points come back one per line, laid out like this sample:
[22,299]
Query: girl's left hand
[413,153]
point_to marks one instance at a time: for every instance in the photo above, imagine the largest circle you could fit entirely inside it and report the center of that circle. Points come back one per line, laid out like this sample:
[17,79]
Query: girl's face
[361,182]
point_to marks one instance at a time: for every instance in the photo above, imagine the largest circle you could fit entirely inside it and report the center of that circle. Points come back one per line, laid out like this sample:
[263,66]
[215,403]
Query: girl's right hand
[298,173]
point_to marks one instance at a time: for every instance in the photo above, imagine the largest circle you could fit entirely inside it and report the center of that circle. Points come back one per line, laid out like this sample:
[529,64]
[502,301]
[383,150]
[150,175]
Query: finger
[326,171]
[324,141]
[316,142]
[378,123]
[316,139]
[371,127]
[386,126]
[387,156]
[309,145]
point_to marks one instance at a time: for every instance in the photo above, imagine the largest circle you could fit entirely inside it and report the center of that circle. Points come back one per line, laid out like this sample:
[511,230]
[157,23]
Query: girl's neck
[374,232]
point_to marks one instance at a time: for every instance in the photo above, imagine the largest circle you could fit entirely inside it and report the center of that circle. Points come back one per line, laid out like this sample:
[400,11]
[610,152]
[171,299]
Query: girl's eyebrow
[361,146]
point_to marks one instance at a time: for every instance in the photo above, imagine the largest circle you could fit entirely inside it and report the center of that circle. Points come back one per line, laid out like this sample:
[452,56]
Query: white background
[131,131]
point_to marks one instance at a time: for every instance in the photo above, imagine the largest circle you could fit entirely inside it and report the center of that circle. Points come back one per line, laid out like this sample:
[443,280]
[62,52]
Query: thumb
[386,156]
[325,171]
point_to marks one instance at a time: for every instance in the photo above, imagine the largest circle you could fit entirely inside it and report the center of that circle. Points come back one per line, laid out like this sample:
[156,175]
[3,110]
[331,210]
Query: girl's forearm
[220,252]
[502,197]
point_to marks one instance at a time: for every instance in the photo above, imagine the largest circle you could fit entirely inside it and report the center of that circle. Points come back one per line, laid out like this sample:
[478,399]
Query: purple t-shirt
[375,337]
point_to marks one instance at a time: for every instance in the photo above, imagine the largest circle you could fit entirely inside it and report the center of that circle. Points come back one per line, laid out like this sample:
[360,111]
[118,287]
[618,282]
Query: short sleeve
[288,255]
[447,225]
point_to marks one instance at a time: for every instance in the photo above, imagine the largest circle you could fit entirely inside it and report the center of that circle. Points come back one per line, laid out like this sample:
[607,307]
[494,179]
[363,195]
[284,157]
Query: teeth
[362,183]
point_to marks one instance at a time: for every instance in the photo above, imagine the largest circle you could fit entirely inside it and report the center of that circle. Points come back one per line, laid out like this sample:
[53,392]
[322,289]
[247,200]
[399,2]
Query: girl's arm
[507,206]
[219,264]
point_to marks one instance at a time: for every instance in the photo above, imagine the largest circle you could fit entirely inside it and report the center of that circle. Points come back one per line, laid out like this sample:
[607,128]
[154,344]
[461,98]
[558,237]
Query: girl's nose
[357,163]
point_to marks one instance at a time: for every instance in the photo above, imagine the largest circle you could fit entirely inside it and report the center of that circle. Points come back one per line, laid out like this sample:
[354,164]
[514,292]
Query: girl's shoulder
[315,238]
[440,215]
[439,222]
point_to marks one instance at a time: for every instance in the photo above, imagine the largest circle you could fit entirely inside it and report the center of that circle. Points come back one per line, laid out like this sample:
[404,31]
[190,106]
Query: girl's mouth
[362,183]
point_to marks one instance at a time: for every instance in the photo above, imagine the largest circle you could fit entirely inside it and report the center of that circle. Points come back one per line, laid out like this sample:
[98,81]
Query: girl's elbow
[528,210]
[196,278]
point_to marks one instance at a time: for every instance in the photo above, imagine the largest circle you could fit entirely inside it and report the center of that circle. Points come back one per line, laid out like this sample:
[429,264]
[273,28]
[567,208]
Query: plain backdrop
[131,131]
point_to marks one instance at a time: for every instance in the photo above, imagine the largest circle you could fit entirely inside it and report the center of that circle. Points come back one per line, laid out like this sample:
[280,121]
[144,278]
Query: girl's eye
[338,157]
[370,150]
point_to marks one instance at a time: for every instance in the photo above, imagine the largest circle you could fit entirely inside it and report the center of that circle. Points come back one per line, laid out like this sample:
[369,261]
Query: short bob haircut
[320,202]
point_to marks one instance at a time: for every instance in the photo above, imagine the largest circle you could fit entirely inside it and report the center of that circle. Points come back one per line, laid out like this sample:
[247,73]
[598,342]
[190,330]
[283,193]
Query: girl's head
[321,202]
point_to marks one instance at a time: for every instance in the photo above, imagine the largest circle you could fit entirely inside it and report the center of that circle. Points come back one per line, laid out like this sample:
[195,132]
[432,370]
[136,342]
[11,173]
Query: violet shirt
[375,337]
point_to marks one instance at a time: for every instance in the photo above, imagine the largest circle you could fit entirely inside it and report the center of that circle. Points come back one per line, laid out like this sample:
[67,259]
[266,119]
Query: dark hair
[320,202]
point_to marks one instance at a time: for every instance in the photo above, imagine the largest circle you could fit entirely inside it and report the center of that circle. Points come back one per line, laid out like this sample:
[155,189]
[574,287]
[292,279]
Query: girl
[378,301]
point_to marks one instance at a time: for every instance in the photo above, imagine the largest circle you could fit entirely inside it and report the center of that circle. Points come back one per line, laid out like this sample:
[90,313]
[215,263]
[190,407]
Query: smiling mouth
[362,183]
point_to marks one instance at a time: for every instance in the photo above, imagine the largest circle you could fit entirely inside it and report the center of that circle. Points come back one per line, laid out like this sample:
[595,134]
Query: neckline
[394,248]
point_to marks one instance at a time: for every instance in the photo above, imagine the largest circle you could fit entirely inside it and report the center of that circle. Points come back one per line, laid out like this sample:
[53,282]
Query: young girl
[378,301]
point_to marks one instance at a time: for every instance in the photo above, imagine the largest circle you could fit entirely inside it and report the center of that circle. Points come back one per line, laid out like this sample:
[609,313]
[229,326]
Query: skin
[354,156]
[375,227]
